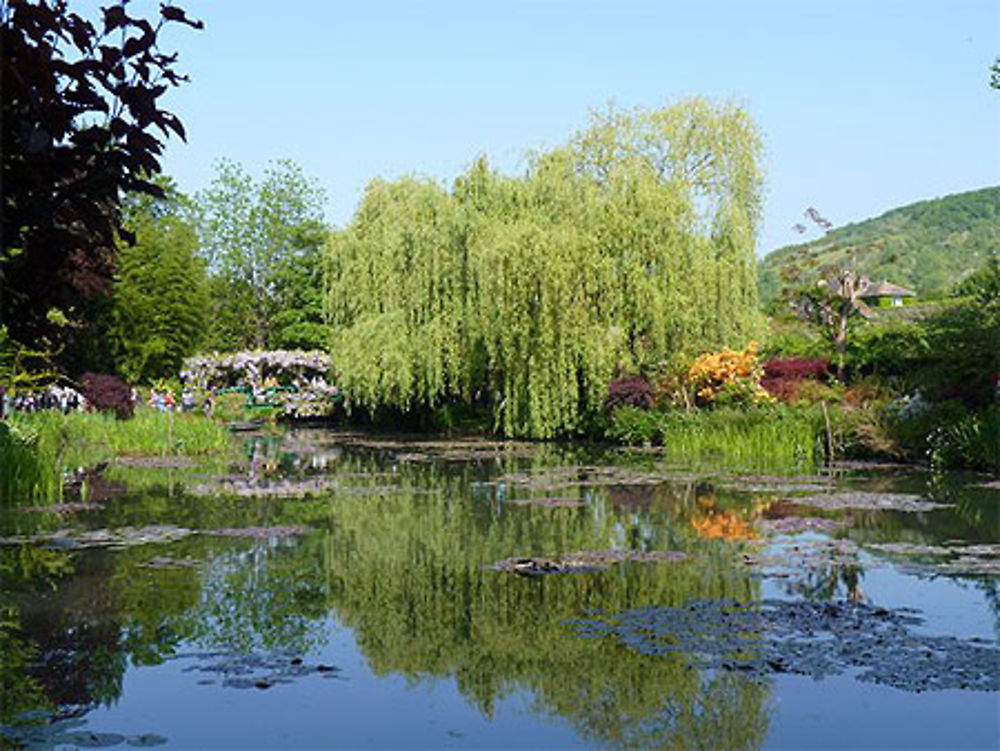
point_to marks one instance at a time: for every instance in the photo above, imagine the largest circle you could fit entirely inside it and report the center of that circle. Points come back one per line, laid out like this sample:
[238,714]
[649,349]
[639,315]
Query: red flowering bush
[108,393]
[630,391]
[784,376]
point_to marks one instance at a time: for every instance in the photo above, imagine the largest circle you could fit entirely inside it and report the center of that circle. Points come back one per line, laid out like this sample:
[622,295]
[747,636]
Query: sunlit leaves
[633,242]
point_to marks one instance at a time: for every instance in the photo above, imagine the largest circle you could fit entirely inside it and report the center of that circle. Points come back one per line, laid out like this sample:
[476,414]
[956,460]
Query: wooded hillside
[927,246]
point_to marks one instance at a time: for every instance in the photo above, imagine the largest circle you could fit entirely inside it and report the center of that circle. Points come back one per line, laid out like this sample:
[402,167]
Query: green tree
[632,242]
[262,241]
[161,299]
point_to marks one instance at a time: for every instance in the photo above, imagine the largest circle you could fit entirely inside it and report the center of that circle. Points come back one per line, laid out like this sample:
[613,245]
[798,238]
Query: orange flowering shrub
[728,376]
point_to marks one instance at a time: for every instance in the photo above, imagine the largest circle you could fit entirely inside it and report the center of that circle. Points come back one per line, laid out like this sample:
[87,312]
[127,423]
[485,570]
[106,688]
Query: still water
[335,590]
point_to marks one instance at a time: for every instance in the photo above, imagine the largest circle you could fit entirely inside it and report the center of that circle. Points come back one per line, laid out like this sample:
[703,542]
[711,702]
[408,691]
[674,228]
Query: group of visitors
[166,402]
[62,398]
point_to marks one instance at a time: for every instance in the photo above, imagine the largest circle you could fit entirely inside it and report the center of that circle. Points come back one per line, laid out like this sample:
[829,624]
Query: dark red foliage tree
[631,391]
[783,376]
[108,393]
[82,126]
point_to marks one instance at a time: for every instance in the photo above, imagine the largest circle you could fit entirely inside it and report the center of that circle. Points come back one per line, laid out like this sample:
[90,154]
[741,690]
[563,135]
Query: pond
[336,589]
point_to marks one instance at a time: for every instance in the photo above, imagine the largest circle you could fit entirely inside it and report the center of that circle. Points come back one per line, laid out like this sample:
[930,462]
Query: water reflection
[401,553]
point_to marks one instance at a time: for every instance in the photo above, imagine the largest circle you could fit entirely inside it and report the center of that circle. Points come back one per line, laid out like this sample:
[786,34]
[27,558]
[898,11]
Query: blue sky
[863,105]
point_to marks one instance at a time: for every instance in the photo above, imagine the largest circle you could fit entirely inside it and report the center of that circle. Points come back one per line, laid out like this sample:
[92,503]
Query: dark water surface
[335,591]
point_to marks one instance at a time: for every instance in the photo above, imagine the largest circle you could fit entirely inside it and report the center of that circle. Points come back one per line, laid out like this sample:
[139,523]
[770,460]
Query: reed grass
[771,437]
[37,449]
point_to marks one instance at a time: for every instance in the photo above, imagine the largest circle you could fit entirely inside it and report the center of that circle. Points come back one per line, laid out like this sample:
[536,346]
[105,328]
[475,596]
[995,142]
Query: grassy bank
[36,449]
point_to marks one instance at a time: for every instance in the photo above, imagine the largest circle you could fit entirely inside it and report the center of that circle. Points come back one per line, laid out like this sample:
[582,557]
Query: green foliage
[161,291]
[629,244]
[27,457]
[984,283]
[926,246]
[948,350]
[890,348]
[792,337]
[21,367]
[971,441]
[262,242]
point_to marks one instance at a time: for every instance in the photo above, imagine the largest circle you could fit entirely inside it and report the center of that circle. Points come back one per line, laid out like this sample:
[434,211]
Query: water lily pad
[155,462]
[86,739]
[958,558]
[790,525]
[259,671]
[871,501]
[145,740]
[121,537]
[63,508]
[260,533]
[547,502]
[166,562]
[582,561]
[817,639]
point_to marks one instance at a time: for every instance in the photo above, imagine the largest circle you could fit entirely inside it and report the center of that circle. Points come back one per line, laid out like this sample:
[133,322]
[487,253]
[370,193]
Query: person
[187,400]
[168,401]
[209,404]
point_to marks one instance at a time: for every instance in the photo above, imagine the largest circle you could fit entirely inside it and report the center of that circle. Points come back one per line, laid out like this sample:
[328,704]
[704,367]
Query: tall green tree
[632,242]
[262,241]
[160,303]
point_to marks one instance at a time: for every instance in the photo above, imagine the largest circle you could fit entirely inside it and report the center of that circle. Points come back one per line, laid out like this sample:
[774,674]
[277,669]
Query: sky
[863,105]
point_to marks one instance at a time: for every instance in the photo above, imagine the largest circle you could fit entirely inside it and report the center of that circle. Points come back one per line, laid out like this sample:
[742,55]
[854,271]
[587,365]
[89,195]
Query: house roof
[884,289]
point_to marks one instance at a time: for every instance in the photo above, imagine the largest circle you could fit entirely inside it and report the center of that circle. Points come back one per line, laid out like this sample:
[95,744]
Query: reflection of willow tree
[409,573]
[59,646]
[23,572]
[261,598]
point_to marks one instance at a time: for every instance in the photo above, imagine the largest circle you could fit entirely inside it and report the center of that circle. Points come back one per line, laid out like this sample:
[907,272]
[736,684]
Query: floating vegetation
[976,559]
[871,501]
[583,561]
[795,556]
[806,638]
[547,502]
[63,508]
[155,462]
[259,671]
[415,449]
[55,731]
[246,487]
[167,562]
[259,533]
[582,476]
[790,525]
[125,537]
[778,484]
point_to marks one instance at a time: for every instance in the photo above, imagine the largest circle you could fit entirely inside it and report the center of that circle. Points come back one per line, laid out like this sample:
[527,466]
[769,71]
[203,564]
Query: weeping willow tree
[632,242]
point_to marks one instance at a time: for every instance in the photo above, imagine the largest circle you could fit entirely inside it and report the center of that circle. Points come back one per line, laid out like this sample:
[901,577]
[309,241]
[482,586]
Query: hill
[927,246]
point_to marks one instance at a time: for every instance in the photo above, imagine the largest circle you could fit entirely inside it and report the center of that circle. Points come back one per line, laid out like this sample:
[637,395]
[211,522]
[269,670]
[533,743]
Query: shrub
[108,393]
[972,441]
[784,376]
[631,391]
[728,377]
[670,384]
